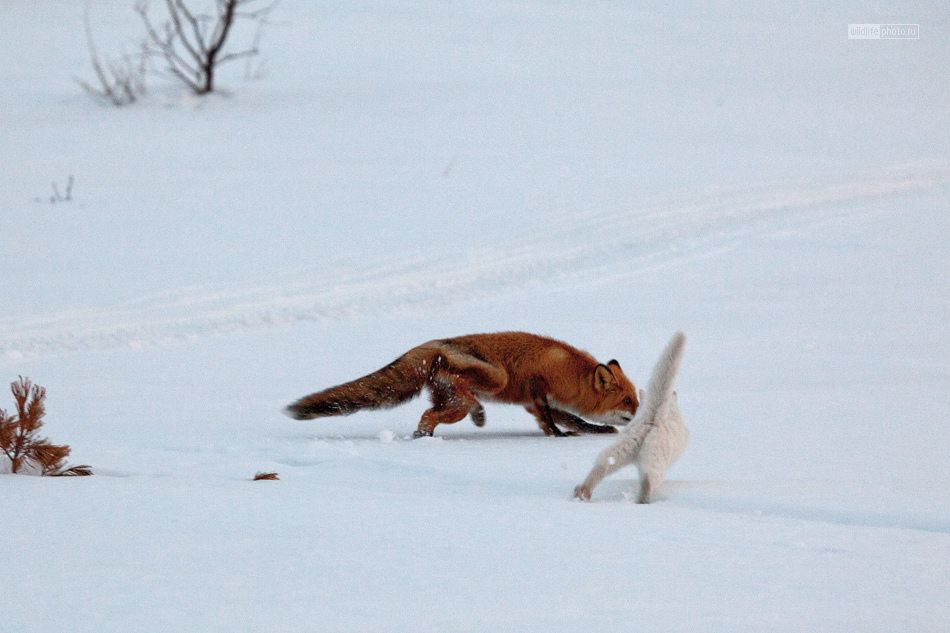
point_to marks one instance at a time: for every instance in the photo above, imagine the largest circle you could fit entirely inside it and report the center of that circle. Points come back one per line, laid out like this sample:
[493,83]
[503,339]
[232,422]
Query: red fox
[552,380]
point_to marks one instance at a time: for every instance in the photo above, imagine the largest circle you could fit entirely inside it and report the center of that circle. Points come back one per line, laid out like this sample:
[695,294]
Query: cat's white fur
[656,437]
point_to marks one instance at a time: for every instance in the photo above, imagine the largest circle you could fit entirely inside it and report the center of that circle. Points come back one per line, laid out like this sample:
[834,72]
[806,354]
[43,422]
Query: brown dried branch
[18,434]
[21,436]
[72,471]
[8,433]
[266,477]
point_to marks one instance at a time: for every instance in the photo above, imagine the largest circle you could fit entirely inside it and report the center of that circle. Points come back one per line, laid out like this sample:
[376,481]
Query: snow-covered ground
[407,171]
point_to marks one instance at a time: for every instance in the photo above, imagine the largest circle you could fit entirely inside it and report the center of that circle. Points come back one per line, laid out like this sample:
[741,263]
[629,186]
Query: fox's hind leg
[467,373]
[452,400]
[478,415]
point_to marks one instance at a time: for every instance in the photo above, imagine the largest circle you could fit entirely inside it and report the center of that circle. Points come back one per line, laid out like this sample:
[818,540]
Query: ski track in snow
[632,240]
[762,506]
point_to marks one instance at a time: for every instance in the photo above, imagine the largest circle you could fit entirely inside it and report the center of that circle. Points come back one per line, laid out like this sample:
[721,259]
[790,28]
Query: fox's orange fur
[552,380]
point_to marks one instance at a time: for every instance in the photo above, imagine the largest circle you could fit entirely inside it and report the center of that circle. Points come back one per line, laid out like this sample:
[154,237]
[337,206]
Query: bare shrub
[192,45]
[120,82]
[18,435]
[266,477]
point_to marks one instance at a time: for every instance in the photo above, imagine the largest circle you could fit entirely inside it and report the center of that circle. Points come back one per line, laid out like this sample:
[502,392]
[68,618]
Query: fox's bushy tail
[399,381]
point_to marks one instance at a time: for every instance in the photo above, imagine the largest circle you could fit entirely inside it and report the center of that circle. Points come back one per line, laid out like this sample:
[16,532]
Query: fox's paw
[420,433]
[478,416]
[582,492]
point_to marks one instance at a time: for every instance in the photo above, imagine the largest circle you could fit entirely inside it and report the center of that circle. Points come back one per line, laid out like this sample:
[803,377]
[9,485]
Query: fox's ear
[603,379]
[613,363]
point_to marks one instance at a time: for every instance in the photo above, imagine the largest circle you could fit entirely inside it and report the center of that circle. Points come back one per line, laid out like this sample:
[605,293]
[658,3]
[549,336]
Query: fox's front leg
[542,410]
[570,420]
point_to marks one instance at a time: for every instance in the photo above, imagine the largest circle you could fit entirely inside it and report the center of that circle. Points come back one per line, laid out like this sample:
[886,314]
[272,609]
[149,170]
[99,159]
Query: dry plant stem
[57,197]
[266,477]
[73,471]
[119,83]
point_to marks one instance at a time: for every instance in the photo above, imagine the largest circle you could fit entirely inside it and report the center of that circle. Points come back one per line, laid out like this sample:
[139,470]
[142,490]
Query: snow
[600,173]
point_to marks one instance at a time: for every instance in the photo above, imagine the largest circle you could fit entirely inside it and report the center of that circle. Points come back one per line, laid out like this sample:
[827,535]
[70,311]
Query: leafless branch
[192,44]
[120,83]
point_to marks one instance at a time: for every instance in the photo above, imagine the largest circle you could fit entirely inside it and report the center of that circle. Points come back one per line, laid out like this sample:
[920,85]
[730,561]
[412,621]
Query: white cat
[656,437]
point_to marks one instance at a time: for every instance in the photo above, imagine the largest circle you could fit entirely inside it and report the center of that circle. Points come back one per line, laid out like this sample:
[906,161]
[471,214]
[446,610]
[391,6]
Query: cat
[656,437]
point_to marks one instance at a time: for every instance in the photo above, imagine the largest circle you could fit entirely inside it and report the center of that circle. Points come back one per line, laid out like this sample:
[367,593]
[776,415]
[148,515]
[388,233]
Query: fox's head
[617,397]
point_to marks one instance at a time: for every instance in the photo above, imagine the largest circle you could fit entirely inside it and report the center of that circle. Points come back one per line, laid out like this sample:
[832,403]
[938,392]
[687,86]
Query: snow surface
[600,173]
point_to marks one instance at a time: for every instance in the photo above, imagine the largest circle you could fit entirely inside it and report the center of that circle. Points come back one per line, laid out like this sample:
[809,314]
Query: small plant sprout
[57,195]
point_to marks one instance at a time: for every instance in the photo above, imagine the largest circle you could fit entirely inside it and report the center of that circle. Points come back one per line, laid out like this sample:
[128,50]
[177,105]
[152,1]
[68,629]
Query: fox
[656,440]
[556,383]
